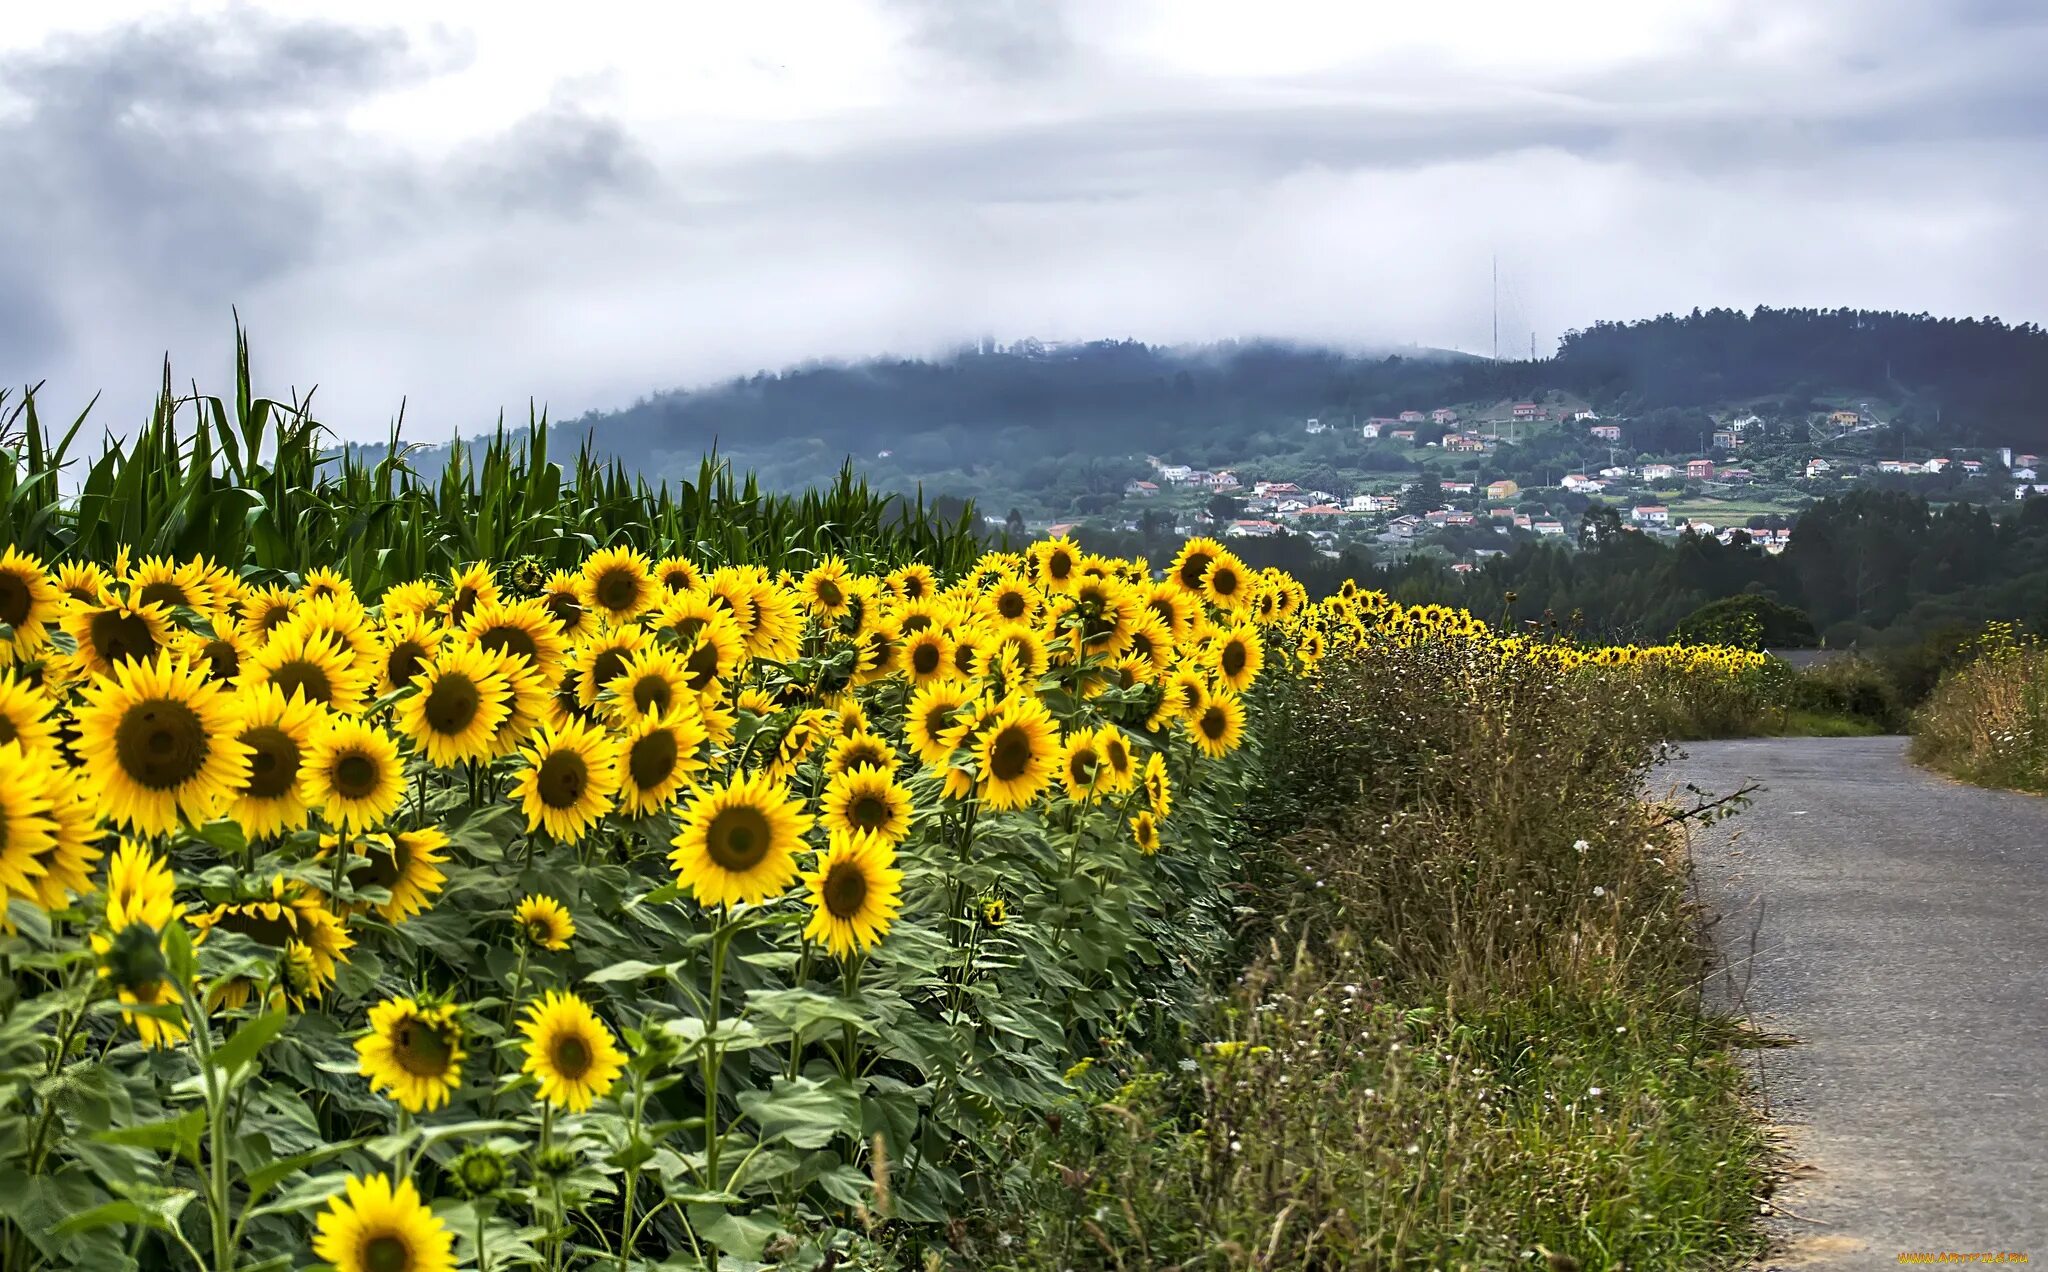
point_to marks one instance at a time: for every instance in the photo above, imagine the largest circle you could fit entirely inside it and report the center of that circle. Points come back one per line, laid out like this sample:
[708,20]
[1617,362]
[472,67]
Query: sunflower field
[637,913]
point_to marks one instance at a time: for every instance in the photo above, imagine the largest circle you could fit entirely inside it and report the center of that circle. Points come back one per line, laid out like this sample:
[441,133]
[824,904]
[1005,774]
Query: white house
[1578,481]
[1317,426]
[1175,473]
[1251,530]
[1658,472]
[1371,431]
[1816,468]
[1549,527]
[1650,515]
[2023,474]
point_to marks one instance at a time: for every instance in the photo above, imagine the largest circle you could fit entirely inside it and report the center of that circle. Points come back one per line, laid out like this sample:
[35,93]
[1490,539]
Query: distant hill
[989,424]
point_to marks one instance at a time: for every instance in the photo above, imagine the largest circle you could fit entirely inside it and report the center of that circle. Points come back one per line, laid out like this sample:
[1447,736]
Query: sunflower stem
[714,1050]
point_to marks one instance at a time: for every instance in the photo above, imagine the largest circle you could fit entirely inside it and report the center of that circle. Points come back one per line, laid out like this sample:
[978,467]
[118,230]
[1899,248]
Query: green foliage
[255,484]
[1987,721]
[1471,1033]
[1748,621]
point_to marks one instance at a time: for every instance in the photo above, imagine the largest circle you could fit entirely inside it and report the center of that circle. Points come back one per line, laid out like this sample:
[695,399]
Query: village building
[1606,432]
[1650,515]
[1503,489]
[1658,472]
[1529,411]
[1699,469]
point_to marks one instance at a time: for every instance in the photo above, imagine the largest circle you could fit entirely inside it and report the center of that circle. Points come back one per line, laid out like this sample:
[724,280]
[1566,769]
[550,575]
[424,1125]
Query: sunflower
[856,892]
[277,731]
[524,629]
[1058,562]
[913,582]
[463,697]
[545,922]
[342,621]
[569,1051]
[407,865]
[1018,652]
[291,921]
[928,655]
[405,646]
[85,582]
[416,599]
[1226,585]
[676,574]
[652,683]
[1158,786]
[1082,770]
[1017,753]
[995,912]
[713,651]
[1314,645]
[1145,832]
[1011,601]
[352,773]
[803,736]
[969,648]
[141,895]
[1119,768]
[858,749]
[1236,657]
[413,1053]
[25,715]
[67,861]
[599,660]
[657,756]
[825,588]
[310,664]
[529,697]
[570,777]
[1219,727]
[378,1228]
[29,603]
[28,827]
[112,634]
[220,656]
[867,802]
[565,596]
[778,628]
[1190,567]
[739,841]
[160,581]
[160,741]
[929,720]
[469,587]
[881,653]
[1187,692]
[621,583]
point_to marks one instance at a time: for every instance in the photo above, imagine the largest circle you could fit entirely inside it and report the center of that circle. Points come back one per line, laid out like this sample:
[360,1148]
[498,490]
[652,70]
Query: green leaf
[241,1050]
[160,1213]
[265,1178]
[179,1135]
[632,970]
[804,1112]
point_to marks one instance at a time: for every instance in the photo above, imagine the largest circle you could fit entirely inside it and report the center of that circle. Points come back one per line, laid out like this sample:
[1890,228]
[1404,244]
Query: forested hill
[1026,408]
[1967,380]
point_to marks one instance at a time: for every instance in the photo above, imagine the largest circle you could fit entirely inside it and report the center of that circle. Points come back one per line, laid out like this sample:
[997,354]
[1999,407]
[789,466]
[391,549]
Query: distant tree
[1425,495]
[1222,507]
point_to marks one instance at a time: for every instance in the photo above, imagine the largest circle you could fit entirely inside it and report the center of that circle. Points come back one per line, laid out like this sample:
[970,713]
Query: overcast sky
[584,202]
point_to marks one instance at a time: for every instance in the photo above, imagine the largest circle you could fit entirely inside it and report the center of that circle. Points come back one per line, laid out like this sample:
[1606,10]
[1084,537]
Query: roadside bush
[1987,722]
[1469,1033]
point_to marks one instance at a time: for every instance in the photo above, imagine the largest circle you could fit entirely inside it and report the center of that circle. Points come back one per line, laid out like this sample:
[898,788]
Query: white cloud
[585,203]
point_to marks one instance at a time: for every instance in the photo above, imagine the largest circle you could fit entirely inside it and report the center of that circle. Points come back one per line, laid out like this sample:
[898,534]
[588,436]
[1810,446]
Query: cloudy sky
[470,204]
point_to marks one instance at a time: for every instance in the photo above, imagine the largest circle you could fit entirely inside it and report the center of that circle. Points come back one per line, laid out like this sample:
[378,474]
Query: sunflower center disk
[421,1049]
[512,640]
[1010,756]
[1234,657]
[925,659]
[167,594]
[618,590]
[160,745]
[846,890]
[652,759]
[14,600]
[273,930]
[452,704]
[119,636]
[274,762]
[572,1057]
[738,839]
[651,695]
[386,1253]
[384,871]
[356,776]
[562,779]
[869,812]
[307,678]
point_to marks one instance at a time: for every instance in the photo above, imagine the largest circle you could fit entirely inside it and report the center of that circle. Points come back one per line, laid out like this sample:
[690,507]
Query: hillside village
[1471,481]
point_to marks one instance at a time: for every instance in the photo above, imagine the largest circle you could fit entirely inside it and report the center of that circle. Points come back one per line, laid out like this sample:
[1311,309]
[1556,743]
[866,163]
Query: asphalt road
[1896,924]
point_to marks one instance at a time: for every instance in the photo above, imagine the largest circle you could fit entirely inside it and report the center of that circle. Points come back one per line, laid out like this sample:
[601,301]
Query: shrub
[1987,721]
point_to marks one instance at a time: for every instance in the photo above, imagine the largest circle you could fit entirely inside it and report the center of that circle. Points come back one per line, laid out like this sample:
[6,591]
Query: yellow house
[1502,490]
[1848,418]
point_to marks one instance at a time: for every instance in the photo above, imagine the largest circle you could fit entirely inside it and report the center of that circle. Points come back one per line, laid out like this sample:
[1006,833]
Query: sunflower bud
[480,1172]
